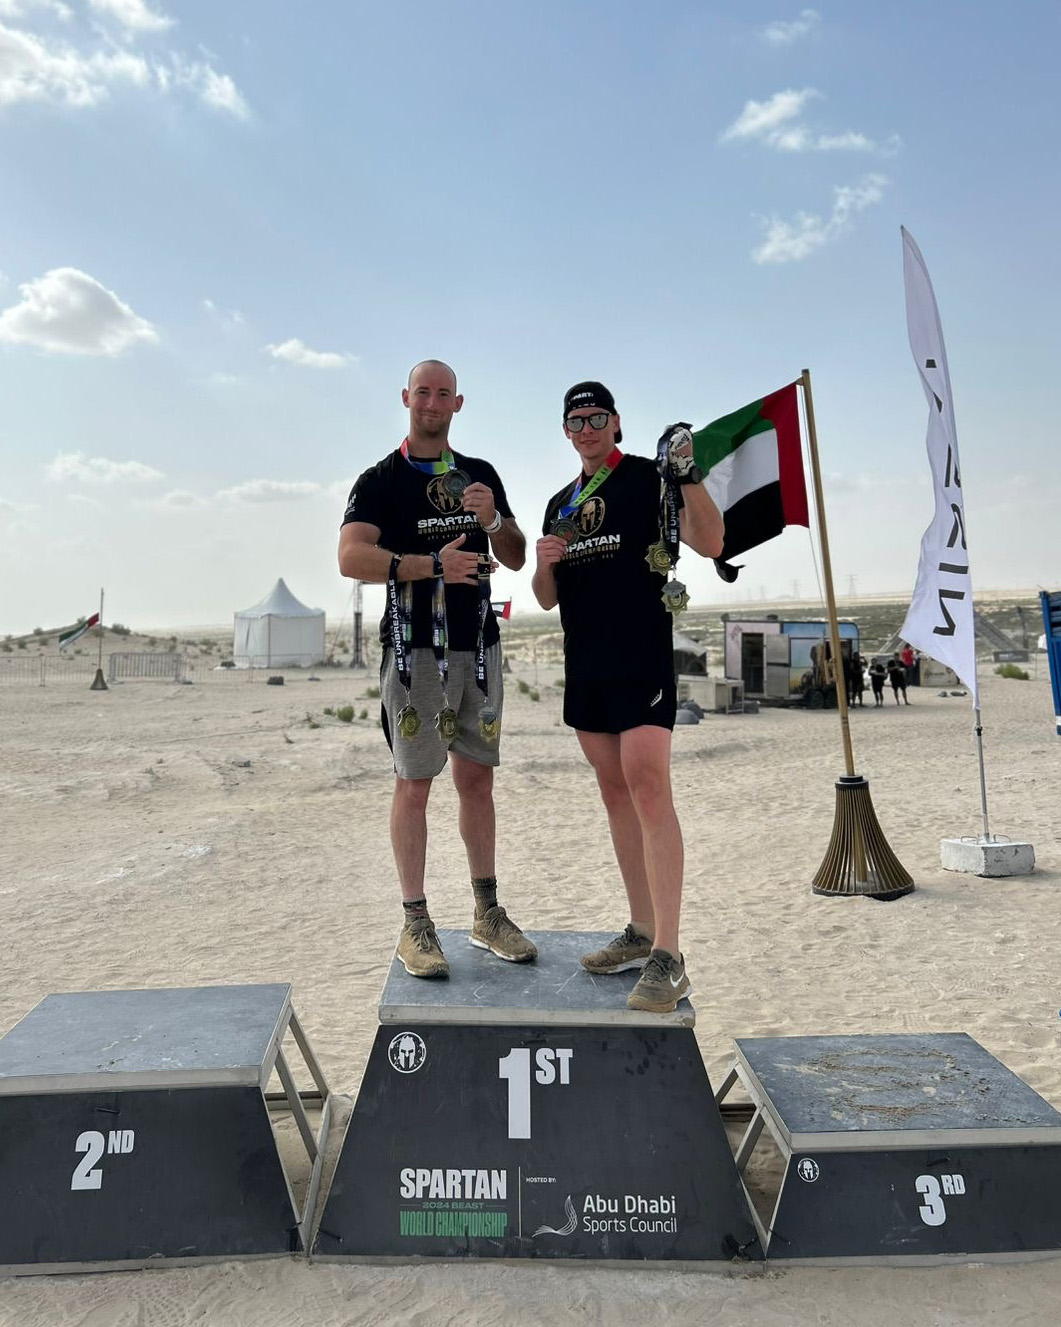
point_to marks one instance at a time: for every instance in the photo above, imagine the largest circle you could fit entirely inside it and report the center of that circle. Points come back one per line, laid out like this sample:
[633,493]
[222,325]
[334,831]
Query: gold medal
[658,558]
[489,724]
[408,721]
[447,725]
[675,597]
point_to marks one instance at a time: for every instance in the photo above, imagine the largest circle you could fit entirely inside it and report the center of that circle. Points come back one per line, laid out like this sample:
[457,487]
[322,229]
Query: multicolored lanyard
[581,494]
[445,462]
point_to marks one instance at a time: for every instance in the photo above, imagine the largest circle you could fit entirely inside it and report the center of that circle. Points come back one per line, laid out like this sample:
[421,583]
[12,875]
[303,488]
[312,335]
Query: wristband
[436,565]
[495,524]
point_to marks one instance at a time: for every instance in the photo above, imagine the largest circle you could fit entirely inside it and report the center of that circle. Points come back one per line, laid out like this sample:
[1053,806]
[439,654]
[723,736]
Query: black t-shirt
[415,516]
[615,624]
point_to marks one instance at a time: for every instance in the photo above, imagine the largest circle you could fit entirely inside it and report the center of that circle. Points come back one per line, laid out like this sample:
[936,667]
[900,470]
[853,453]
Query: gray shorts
[424,756]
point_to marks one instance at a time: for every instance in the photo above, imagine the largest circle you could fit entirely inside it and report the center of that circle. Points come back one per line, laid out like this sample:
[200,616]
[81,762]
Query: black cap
[585,394]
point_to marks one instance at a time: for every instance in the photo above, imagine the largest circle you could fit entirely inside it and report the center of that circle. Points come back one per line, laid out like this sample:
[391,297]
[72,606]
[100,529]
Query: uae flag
[753,467]
[75,633]
[502,608]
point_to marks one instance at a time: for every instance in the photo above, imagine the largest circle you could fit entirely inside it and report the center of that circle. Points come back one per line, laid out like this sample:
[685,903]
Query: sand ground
[139,850]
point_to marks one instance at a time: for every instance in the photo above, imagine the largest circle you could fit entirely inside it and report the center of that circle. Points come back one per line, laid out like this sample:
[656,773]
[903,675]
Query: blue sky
[229,228]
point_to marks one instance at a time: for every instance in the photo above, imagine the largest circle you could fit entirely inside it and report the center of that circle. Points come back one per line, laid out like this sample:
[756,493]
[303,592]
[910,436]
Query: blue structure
[1051,606]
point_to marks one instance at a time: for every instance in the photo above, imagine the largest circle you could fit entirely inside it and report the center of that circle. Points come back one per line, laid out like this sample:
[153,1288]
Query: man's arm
[362,559]
[550,549]
[702,527]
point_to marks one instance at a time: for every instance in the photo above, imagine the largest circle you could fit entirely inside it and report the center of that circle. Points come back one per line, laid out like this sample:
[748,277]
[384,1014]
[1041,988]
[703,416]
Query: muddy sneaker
[502,937]
[419,949]
[626,951]
[661,985]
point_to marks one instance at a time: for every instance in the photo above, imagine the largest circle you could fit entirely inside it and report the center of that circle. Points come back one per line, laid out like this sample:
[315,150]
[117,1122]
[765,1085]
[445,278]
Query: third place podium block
[523,1111]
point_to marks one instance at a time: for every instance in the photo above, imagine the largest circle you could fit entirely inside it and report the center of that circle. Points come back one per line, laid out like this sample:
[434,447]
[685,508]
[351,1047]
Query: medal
[675,597]
[564,528]
[489,724]
[453,483]
[446,723]
[408,721]
[658,558]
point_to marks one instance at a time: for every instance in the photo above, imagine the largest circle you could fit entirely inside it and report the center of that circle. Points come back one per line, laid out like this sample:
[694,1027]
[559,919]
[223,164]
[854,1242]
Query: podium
[901,1148]
[523,1111]
[135,1127]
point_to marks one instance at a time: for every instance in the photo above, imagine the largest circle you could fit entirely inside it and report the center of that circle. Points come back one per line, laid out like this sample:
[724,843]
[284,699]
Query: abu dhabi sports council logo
[568,1228]
[407,1052]
[440,499]
[591,516]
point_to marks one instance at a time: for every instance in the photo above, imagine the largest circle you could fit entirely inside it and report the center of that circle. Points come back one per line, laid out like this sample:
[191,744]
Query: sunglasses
[576,423]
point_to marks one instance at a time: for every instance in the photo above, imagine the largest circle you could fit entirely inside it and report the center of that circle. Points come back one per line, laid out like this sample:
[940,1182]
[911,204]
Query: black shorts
[617,705]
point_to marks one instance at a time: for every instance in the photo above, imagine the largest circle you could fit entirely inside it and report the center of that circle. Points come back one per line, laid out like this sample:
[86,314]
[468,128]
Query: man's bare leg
[602,750]
[409,834]
[475,792]
[645,763]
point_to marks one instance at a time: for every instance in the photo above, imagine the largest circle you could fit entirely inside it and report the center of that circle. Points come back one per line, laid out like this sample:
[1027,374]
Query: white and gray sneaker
[661,985]
[629,950]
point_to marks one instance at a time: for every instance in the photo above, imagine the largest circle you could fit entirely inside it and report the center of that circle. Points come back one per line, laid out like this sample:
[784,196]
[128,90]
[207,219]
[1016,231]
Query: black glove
[676,469]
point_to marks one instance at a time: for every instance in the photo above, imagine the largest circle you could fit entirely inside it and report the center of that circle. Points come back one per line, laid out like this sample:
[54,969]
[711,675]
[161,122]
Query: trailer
[784,661]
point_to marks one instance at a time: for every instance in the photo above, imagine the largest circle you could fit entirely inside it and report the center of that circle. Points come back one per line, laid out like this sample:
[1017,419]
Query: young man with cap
[425,521]
[609,539]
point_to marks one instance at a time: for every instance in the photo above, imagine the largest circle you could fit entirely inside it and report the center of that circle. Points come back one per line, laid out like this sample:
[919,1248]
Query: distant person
[878,676]
[423,521]
[856,680]
[897,677]
[604,558]
[907,658]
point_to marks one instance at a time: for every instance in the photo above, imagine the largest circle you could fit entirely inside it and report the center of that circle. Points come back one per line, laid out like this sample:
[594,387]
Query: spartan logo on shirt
[440,499]
[591,516]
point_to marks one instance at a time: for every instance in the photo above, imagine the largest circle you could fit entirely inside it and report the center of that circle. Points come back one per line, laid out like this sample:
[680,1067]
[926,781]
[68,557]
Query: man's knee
[472,780]
[412,794]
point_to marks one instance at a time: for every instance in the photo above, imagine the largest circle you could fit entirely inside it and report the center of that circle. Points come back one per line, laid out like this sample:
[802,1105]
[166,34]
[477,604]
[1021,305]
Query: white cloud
[296,352]
[180,499]
[762,119]
[69,312]
[34,67]
[17,8]
[784,32]
[227,319]
[223,380]
[270,490]
[791,241]
[775,123]
[133,15]
[98,470]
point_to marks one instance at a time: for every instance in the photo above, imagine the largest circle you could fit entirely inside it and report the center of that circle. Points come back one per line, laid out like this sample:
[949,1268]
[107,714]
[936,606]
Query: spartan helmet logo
[440,499]
[808,1169]
[407,1052]
[591,516]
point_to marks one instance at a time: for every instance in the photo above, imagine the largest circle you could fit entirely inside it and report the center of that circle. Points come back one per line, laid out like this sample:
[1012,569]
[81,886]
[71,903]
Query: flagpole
[979,730]
[99,658]
[858,860]
[827,572]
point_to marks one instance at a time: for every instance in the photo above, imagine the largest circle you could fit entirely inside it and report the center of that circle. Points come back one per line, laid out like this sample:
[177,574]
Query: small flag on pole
[75,633]
[502,608]
[753,466]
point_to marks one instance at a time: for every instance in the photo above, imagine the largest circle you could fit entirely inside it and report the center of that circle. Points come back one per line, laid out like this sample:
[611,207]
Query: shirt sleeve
[366,500]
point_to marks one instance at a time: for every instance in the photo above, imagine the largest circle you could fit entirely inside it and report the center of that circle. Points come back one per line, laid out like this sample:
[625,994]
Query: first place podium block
[134,1128]
[523,1111]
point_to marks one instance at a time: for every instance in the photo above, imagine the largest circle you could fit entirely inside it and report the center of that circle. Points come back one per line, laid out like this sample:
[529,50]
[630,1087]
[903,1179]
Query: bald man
[428,522]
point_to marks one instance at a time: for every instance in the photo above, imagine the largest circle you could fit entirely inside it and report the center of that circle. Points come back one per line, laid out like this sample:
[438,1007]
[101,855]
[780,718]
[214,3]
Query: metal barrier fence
[126,664]
[123,666]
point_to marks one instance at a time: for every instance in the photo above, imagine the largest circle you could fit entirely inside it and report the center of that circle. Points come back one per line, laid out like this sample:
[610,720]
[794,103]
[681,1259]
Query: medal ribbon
[401,626]
[445,462]
[582,493]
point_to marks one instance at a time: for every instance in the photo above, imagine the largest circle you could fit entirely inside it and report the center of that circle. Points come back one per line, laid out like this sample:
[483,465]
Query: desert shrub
[524,687]
[22,645]
[119,630]
[311,722]
[328,710]
[559,683]
[372,693]
[363,714]
[38,631]
[1011,670]
[345,712]
[533,695]
[6,648]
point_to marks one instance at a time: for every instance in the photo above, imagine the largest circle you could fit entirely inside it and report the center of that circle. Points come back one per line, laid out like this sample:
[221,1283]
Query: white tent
[279,632]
